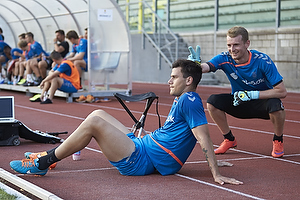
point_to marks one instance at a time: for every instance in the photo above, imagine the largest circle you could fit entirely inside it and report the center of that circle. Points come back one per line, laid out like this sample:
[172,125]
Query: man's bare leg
[109,133]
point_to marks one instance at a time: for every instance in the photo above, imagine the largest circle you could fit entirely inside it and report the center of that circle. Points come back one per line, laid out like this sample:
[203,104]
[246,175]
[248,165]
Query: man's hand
[195,56]
[222,180]
[242,96]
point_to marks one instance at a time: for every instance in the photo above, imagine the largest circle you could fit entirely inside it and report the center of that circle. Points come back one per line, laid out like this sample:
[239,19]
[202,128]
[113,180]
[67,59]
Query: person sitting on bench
[64,77]
[165,150]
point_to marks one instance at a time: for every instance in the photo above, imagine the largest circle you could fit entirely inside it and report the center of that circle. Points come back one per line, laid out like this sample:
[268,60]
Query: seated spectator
[85,36]
[22,36]
[5,56]
[13,66]
[64,77]
[78,53]
[16,54]
[61,46]
[33,55]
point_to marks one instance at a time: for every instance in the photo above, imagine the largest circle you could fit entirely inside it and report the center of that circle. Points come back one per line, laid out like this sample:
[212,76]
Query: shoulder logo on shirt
[263,57]
[191,96]
[170,119]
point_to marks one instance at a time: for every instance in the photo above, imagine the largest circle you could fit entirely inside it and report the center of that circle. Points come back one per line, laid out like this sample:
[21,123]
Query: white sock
[29,78]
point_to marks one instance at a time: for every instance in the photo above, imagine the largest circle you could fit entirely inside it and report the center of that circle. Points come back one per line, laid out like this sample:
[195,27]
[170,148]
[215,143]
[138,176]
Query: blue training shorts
[138,164]
[68,87]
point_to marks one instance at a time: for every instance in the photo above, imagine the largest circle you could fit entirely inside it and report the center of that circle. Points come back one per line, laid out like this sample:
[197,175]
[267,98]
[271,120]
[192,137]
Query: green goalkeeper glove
[242,96]
[195,56]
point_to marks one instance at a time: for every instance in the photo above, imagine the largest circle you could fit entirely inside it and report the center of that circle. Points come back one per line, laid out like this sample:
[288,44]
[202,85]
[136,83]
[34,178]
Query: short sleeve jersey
[259,73]
[2,46]
[15,50]
[66,46]
[63,68]
[34,50]
[187,112]
[81,47]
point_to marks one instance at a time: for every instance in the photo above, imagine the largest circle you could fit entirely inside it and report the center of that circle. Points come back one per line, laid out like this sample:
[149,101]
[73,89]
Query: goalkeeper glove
[195,56]
[242,96]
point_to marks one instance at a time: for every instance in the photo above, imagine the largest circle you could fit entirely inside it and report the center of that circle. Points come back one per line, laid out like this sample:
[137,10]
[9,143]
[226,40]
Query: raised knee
[94,120]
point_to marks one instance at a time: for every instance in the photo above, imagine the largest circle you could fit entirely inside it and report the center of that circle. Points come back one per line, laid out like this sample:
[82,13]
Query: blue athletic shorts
[138,164]
[68,87]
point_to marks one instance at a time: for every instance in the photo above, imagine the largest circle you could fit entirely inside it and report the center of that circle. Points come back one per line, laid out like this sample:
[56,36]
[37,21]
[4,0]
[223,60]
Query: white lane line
[258,131]
[75,171]
[219,187]
[244,158]
[50,112]
[162,116]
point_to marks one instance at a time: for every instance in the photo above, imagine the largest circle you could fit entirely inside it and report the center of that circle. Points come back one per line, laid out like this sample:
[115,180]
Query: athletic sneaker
[34,83]
[277,149]
[36,98]
[81,99]
[30,155]
[90,98]
[27,166]
[225,145]
[22,81]
[47,101]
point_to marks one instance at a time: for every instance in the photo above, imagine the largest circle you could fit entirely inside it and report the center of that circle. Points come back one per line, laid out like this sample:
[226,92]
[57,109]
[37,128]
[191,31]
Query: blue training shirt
[15,50]
[81,47]
[2,46]
[35,49]
[259,73]
[187,112]
[63,68]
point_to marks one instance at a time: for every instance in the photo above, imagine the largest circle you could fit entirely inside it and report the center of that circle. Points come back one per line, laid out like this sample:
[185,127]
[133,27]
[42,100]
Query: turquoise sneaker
[30,155]
[27,166]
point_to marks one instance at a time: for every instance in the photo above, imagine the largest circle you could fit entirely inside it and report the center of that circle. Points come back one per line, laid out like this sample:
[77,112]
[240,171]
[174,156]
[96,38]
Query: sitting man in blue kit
[165,150]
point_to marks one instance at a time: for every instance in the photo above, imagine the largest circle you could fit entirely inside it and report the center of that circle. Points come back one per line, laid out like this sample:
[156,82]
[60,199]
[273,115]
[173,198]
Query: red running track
[93,177]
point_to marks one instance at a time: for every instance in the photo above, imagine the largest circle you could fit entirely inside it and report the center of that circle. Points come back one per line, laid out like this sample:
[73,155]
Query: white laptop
[7,109]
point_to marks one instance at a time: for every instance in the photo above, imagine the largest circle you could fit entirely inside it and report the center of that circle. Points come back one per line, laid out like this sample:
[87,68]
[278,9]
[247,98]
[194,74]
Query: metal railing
[146,21]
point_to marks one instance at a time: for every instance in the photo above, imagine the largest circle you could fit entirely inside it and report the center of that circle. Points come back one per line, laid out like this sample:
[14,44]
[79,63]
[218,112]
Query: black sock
[46,161]
[229,136]
[50,151]
[278,138]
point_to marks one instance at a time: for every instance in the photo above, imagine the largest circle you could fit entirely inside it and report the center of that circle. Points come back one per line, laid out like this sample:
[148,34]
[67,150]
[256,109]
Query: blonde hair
[22,43]
[238,30]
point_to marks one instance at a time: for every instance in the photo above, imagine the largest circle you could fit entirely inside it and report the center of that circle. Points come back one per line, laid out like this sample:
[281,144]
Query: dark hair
[22,35]
[62,32]
[55,55]
[238,30]
[30,34]
[1,31]
[72,34]
[189,68]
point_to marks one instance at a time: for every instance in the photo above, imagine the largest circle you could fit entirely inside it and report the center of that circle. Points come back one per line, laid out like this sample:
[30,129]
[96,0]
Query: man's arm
[279,91]
[202,135]
[50,76]
[205,67]
[78,56]
[72,54]
[58,48]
